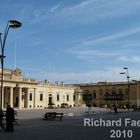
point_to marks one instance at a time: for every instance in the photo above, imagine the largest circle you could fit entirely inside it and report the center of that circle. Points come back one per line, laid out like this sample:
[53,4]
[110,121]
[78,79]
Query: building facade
[20,92]
[109,93]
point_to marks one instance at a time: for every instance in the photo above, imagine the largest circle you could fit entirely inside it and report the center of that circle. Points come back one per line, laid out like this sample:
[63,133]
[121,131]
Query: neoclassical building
[21,92]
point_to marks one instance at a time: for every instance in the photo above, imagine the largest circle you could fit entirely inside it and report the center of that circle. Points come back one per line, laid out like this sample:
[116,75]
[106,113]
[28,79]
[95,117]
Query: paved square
[70,128]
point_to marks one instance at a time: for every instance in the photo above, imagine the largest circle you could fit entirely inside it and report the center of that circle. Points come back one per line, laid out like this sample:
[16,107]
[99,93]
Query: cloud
[89,54]
[85,12]
[69,77]
[129,58]
[73,77]
[91,11]
[116,46]
[110,74]
[112,37]
[55,8]
[99,53]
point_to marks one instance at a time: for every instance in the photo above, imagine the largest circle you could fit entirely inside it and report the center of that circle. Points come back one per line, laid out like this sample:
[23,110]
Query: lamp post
[10,24]
[128,83]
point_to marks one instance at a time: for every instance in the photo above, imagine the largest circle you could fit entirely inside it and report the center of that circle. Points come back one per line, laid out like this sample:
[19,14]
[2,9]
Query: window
[67,97]
[30,97]
[107,91]
[41,97]
[87,97]
[57,97]
[87,91]
[73,97]
[101,91]
[94,94]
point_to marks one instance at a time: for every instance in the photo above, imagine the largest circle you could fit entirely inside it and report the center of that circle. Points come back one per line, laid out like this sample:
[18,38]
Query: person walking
[115,110]
[9,119]
[1,119]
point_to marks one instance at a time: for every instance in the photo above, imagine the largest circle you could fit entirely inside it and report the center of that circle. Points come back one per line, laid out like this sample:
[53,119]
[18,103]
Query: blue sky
[74,41]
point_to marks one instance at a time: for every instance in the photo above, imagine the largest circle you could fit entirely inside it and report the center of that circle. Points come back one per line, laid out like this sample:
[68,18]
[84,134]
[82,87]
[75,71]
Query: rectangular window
[57,97]
[73,97]
[67,97]
[30,97]
[41,97]
[94,95]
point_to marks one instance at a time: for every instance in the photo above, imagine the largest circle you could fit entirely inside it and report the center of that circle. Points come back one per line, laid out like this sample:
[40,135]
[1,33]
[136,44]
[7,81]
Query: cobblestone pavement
[70,128]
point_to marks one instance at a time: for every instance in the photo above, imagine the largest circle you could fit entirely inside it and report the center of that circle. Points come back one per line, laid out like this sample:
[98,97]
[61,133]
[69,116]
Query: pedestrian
[115,110]
[9,119]
[128,106]
[89,108]
[1,119]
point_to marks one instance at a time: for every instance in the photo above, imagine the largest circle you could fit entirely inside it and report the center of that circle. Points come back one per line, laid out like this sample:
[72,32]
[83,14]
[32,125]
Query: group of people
[9,119]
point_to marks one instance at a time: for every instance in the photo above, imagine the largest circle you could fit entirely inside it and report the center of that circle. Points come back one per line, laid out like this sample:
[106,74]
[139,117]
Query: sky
[75,41]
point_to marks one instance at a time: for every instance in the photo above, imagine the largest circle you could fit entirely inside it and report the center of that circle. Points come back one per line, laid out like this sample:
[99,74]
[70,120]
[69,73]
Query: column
[27,98]
[11,96]
[34,98]
[3,97]
[77,98]
[98,96]
[20,98]
[80,99]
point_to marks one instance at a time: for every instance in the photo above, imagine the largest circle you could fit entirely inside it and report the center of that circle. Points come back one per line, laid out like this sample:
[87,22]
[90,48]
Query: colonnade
[17,97]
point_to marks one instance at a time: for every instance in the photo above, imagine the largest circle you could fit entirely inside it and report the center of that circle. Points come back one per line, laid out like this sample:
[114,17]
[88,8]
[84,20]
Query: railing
[17,78]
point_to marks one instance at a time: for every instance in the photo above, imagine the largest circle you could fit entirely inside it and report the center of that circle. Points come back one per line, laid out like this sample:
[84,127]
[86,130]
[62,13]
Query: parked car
[64,105]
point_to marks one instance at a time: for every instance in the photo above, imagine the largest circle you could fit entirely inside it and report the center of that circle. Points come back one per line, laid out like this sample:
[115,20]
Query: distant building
[21,92]
[110,93]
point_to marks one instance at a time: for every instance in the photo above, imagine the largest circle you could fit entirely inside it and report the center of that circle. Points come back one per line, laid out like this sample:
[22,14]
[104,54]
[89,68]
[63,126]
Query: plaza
[70,128]
[77,60]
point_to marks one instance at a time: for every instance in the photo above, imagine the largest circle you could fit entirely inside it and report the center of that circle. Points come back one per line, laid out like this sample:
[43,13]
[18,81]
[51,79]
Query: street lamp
[128,83]
[10,24]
